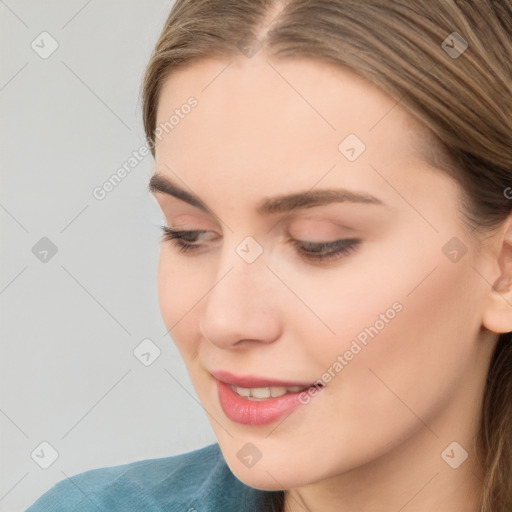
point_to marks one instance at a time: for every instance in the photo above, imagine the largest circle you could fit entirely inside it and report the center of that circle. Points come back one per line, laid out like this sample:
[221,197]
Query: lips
[257,382]
[260,411]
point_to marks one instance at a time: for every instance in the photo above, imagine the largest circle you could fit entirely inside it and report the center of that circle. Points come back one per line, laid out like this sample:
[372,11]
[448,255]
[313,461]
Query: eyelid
[330,226]
[185,214]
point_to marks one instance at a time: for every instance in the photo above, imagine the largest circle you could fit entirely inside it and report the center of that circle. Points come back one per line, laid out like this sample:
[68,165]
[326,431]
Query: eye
[184,241]
[187,241]
[325,251]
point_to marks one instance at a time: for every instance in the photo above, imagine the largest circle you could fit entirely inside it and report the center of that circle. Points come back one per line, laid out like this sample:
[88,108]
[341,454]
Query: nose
[242,305]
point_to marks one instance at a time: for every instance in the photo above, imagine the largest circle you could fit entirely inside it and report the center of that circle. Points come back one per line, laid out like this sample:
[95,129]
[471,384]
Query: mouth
[257,401]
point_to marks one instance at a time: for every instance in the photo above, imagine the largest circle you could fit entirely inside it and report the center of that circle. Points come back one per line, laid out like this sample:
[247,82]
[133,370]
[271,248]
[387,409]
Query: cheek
[179,290]
[168,283]
[403,348]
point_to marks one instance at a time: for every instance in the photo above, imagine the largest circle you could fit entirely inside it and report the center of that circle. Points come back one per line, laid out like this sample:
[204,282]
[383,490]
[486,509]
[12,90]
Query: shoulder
[199,480]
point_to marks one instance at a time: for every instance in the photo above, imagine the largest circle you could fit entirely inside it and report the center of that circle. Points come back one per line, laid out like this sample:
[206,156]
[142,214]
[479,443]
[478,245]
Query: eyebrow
[272,205]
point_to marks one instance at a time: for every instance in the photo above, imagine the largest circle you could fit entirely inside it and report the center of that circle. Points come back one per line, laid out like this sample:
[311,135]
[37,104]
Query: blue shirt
[197,481]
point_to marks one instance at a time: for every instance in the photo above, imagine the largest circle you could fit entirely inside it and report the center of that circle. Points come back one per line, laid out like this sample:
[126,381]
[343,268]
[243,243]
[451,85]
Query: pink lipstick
[251,400]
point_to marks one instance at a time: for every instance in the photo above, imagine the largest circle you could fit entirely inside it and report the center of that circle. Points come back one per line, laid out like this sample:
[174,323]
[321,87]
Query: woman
[336,264]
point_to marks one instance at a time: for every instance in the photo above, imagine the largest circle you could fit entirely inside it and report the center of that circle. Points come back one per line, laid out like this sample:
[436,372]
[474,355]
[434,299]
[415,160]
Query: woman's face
[389,322]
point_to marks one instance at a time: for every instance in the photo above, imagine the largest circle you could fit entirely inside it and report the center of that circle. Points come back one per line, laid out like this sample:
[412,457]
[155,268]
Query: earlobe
[498,314]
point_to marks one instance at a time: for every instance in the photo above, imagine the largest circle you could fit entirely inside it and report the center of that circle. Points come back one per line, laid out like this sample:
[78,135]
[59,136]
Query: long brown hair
[458,85]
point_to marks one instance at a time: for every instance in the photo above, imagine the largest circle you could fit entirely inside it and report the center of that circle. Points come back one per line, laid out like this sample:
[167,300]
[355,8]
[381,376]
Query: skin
[372,439]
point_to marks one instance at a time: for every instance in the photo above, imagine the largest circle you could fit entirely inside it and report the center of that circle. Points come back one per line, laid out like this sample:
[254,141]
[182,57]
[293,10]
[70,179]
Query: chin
[267,476]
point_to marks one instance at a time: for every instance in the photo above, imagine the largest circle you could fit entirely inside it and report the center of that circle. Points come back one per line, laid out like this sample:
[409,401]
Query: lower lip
[256,412]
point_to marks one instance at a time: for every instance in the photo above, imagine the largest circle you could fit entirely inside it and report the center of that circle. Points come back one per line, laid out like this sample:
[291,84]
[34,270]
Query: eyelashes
[324,251]
[184,241]
[187,242]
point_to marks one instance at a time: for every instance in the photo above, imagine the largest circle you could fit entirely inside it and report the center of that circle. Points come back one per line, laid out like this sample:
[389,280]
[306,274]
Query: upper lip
[251,381]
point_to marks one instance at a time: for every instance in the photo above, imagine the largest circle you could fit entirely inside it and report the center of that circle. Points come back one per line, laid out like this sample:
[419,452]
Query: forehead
[261,116]
[242,85]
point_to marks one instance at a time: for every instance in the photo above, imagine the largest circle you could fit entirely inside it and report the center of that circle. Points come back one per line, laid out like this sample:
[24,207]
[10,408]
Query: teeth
[294,389]
[264,393]
[243,391]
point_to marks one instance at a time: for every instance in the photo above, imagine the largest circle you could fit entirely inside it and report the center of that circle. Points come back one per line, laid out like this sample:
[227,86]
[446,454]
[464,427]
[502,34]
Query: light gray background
[69,325]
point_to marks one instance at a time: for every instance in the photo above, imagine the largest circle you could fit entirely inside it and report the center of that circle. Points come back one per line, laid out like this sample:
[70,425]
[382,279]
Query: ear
[498,314]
